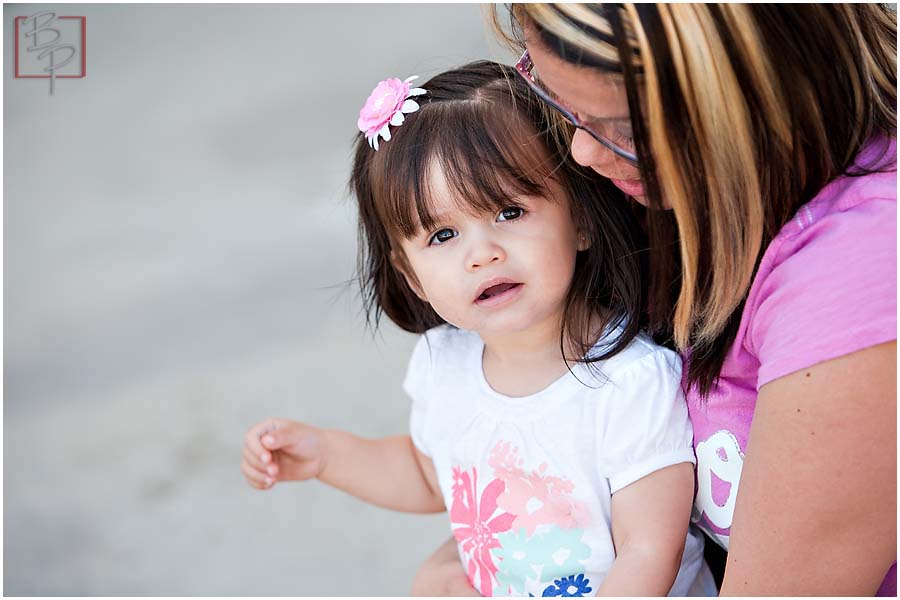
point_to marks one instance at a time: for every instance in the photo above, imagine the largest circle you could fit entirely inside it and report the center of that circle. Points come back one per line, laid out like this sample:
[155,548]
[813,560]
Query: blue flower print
[569,587]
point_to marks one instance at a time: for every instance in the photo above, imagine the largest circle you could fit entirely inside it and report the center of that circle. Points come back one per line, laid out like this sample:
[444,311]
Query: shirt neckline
[531,405]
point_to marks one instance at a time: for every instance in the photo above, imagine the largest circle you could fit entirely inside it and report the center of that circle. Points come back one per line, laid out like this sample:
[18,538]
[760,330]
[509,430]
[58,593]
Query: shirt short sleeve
[645,426]
[417,385]
[831,288]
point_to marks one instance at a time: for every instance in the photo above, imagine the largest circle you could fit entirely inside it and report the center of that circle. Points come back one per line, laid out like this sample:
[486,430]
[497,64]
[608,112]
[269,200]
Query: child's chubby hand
[282,450]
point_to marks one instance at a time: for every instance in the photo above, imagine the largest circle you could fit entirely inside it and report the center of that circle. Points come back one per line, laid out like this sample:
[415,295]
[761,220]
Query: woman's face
[594,97]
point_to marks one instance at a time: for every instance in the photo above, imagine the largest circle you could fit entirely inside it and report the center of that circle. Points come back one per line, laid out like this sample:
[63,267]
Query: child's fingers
[252,439]
[252,459]
[300,438]
[255,478]
[273,439]
[271,425]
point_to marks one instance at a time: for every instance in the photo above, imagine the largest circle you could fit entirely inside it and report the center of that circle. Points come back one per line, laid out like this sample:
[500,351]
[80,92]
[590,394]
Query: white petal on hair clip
[387,105]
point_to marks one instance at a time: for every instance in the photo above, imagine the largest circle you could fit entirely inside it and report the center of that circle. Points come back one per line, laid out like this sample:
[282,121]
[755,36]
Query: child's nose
[484,251]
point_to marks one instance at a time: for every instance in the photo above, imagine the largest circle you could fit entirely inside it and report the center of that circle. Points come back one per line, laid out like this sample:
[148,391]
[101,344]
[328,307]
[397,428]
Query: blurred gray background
[178,243]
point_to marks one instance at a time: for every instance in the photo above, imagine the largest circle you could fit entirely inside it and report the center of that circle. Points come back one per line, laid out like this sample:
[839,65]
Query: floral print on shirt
[525,528]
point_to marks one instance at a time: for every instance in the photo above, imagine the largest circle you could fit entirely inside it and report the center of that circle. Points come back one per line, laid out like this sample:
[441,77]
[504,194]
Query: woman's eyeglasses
[525,68]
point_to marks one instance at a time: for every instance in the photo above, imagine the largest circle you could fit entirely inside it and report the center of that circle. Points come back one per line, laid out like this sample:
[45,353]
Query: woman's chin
[644,200]
[641,199]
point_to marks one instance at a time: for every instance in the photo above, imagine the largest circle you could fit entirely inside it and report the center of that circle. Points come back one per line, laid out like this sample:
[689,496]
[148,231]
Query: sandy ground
[177,249]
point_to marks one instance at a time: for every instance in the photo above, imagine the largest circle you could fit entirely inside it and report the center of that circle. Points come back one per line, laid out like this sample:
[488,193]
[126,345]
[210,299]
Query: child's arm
[388,472]
[649,524]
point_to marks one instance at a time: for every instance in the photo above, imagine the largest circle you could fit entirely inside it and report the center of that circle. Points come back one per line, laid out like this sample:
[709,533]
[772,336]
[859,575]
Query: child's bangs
[482,155]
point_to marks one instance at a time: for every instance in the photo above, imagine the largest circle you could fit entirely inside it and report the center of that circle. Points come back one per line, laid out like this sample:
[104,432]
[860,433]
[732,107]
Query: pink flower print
[505,461]
[478,526]
[535,498]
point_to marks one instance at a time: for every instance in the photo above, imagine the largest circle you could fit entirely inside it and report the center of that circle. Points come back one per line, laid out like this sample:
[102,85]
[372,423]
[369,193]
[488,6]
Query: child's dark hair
[492,140]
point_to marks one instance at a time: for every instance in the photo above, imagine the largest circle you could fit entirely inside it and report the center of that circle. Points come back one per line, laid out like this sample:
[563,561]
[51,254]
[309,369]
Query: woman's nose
[588,152]
[484,251]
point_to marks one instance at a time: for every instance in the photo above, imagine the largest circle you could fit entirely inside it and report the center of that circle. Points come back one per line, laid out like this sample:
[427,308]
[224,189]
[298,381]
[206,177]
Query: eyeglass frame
[523,68]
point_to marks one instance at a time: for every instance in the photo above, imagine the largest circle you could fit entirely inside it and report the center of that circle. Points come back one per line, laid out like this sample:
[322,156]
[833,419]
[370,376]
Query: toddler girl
[554,434]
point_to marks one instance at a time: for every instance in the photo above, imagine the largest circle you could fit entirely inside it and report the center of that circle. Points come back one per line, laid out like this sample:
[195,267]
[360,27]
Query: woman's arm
[649,524]
[816,513]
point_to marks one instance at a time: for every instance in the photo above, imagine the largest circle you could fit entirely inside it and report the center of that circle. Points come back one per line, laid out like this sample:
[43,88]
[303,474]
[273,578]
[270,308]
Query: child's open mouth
[498,293]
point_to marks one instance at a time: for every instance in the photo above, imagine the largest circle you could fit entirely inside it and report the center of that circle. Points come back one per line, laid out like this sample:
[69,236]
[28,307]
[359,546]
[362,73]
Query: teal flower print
[543,558]
[561,552]
[515,560]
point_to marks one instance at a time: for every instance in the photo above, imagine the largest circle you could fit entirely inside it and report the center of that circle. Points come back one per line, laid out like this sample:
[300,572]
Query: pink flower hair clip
[387,105]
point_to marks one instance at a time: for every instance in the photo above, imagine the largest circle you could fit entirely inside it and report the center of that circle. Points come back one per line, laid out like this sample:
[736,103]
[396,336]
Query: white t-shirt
[527,481]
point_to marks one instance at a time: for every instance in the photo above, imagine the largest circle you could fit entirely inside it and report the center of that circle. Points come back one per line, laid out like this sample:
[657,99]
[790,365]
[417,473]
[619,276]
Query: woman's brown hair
[492,141]
[751,110]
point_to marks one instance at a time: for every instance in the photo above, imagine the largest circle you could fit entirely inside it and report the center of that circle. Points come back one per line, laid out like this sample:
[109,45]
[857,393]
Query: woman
[762,140]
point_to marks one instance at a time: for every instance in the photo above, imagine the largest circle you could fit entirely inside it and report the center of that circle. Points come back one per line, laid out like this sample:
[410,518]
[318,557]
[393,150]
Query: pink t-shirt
[826,287]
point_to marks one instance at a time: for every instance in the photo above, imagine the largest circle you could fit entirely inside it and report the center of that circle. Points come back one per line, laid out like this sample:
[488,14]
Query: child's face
[496,273]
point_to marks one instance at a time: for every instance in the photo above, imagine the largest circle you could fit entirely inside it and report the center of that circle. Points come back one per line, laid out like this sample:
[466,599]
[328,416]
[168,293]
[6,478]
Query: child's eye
[441,236]
[510,213]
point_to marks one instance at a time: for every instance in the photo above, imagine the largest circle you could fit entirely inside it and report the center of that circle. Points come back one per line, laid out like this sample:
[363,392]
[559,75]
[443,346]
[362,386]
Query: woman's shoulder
[827,284]
[851,222]
[849,204]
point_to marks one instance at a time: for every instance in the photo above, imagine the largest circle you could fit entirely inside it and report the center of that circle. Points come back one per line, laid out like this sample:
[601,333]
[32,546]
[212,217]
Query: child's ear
[399,263]
[584,242]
